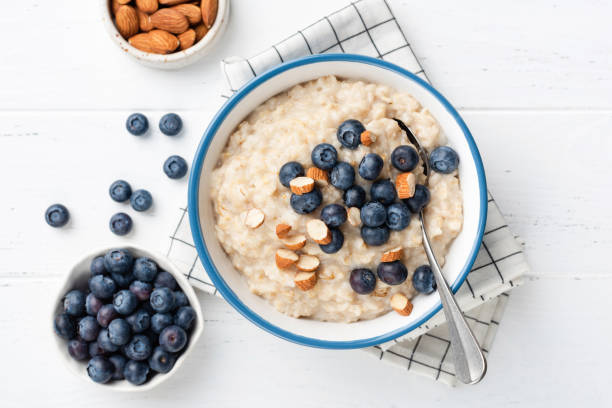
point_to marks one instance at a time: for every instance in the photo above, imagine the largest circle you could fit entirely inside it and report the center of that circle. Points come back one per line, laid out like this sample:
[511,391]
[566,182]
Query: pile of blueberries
[132,323]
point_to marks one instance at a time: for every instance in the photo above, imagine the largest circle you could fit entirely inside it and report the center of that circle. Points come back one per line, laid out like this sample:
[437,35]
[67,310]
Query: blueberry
[78,349]
[74,303]
[173,339]
[184,317]
[165,280]
[123,281]
[97,266]
[375,236]
[419,200]
[118,260]
[404,158]
[141,200]
[118,362]
[175,167]
[95,349]
[162,300]
[125,302]
[392,273]
[306,203]
[142,290]
[383,191]
[170,124]
[398,216]
[145,269]
[363,281]
[106,314]
[137,124]
[370,167]
[100,369]
[354,197]
[423,279]
[349,133]
[136,372]
[92,304]
[342,176]
[324,156]
[373,214]
[105,343]
[102,286]
[64,326]
[119,332]
[336,243]
[180,299]
[289,171]
[443,160]
[139,348]
[139,321]
[120,224]
[159,321]
[120,191]
[88,328]
[161,361]
[333,215]
[57,215]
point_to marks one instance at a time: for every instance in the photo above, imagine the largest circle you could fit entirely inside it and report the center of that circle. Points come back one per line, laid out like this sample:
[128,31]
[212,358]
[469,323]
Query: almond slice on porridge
[295,242]
[254,218]
[354,216]
[367,138]
[308,263]
[319,232]
[305,280]
[401,304]
[301,185]
[405,184]
[282,230]
[391,255]
[318,175]
[285,258]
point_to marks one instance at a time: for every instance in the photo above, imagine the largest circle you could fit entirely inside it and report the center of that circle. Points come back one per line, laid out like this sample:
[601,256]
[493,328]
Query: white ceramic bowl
[175,60]
[78,277]
[233,286]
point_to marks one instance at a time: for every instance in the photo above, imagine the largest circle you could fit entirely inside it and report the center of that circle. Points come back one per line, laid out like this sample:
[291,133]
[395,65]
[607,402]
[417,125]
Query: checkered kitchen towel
[369,27]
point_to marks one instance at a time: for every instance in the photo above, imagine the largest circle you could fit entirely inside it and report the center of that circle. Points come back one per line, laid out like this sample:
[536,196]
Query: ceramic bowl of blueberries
[125,319]
[233,286]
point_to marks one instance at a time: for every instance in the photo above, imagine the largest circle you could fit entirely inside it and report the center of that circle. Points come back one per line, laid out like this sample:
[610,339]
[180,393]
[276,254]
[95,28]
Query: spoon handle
[470,363]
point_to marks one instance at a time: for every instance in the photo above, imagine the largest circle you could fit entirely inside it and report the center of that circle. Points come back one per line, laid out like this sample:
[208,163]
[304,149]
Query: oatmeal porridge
[304,256]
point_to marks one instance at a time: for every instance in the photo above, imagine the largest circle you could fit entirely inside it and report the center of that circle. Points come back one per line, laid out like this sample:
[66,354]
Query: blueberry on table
[333,215]
[92,304]
[145,269]
[118,260]
[443,160]
[342,176]
[161,360]
[74,303]
[375,236]
[100,369]
[78,349]
[137,124]
[64,326]
[141,200]
[336,243]
[162,300]
[118,362]
[125,302]
[324,156]
[404,158]
[106,314]
[349,133]
[159,321]
[57,215]
[94,347]
[120,224]
[184,317]
[120,191]
[123,281]
[392,273]
[139,348]
[363,281]
[398,216]
[383,191]
[354,197]
[97,266]
[136,372]
[102,286]
[373,214]
[142,290]
[105,343]
[423,279]
[419,200]
[119,332]
[139,321]
[175,167]
[170,124]
[173,339]
[289,171]
[88,328]
[166,280]
[370,166]
[306,203]
[180,299]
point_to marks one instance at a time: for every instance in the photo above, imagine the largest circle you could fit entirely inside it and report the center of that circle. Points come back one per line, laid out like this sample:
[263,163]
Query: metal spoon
[470,362]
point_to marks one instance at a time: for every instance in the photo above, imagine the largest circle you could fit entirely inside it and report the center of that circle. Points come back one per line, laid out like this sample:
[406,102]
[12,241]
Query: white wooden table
[533,80]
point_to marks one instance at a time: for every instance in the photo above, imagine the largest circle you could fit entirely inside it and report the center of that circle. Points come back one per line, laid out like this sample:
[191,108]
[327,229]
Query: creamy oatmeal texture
[286,128]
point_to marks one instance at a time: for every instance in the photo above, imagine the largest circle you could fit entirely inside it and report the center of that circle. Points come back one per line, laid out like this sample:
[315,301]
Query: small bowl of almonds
[166,34]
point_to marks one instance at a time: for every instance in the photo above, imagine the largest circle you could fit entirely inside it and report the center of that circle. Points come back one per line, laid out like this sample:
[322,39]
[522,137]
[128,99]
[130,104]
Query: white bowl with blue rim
[233,286]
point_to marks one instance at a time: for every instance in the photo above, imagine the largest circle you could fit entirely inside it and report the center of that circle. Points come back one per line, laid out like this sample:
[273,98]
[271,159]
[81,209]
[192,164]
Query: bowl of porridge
[304,194]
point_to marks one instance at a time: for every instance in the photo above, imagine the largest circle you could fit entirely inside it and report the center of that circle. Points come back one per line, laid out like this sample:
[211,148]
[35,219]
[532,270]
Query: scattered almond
[209,11]
[156,41]
[381,290]
[401,304]
[367,138]
[147,6]
[305,280]
[187,39]
[254,218]
[285,258]
[391,255]
[319,232]
[308,263]
[301,185]
[191,11]
[170,20]
[295,242]
[354,216]
[144,21]
[201,31]
[318,175]
[282,230]
[405,184]
[126,20]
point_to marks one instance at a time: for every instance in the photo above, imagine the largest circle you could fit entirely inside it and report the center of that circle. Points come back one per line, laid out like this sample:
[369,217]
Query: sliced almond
[381,290]
[285,258]
[254,218]
[301,185]
[308,263]
[305,280]
[401,304]
[367,138]
[319,232]
[391,255]
[282,230]
[405,184]
[295,242]
[318,175]
[354,216]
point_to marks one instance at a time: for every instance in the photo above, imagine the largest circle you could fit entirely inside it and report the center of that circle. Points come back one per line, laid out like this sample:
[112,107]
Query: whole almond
[144,21]
[123,1]
[126,20]
[172,2]
[201,31]
[170,20]
[115,6]
[156,41]
[148,6]
[192,12]
[187,39]
[209,11]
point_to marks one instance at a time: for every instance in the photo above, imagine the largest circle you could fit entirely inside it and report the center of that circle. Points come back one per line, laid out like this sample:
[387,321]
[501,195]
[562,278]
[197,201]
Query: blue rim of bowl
[194,218]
